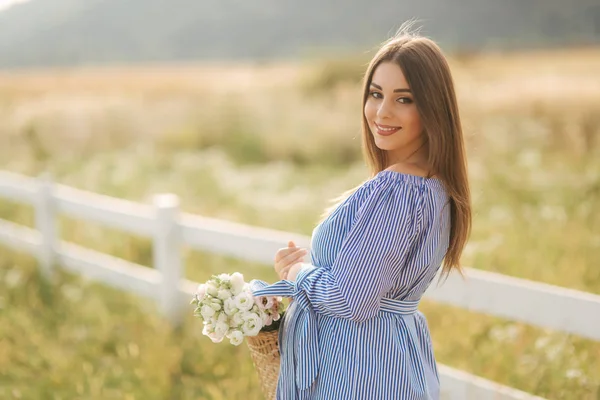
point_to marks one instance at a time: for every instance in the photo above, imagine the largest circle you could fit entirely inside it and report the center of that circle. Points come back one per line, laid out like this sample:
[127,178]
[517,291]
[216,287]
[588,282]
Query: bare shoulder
[409,169]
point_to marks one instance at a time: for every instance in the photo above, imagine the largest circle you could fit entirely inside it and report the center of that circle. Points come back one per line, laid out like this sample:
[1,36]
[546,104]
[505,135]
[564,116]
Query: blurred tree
[72,32]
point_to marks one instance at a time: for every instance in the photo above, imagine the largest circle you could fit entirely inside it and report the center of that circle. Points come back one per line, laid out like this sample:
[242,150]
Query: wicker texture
[264,350]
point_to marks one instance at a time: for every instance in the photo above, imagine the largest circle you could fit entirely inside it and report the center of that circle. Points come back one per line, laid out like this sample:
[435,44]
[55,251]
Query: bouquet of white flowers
[229,310]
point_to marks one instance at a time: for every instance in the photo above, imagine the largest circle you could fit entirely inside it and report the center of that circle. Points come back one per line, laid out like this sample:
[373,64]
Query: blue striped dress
[353,330]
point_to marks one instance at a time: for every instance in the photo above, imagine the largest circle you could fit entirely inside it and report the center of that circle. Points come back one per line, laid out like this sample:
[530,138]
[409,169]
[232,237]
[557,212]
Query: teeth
[386,129]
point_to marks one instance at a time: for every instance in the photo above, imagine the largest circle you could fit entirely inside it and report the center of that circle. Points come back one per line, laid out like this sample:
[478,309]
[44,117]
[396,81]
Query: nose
[383,110]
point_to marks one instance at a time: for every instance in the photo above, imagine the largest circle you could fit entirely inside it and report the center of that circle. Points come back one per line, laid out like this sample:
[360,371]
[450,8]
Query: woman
[353,330]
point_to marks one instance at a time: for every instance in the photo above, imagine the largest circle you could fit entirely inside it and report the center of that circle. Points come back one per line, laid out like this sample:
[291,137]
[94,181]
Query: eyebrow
[395,90]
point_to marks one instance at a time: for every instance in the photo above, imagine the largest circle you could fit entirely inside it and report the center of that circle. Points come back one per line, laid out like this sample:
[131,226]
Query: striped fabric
[352,331]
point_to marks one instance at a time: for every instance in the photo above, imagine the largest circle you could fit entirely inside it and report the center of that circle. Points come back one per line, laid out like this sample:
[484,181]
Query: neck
[415,154]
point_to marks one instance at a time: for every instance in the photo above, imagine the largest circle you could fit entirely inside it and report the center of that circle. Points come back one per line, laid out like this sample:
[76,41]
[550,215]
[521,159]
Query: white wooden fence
[521,300]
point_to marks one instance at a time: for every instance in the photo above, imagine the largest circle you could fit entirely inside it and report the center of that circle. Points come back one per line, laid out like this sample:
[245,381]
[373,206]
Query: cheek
[412,117]
[370,111]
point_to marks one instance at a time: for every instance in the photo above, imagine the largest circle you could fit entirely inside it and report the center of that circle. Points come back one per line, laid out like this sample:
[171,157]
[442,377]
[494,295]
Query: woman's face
[391,113]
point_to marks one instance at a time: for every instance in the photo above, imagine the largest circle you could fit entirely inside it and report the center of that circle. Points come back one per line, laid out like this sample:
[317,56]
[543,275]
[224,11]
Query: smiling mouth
[384,130]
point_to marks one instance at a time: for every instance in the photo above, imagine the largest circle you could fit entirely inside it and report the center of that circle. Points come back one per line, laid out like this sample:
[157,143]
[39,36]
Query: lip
[384,130]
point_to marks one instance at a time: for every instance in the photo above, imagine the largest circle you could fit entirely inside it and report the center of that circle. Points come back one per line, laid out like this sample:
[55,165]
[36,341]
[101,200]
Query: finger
[300,253]
[278,255]
[285,251]
[286,269]
[282,252]
[288,254]
[285,272]
[296,267]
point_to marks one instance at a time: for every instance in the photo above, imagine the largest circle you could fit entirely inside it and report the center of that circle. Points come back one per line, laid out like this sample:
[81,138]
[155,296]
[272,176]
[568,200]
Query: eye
[375,95]
[405,100]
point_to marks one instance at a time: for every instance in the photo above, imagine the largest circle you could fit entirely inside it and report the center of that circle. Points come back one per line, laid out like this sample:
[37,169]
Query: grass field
[268,145]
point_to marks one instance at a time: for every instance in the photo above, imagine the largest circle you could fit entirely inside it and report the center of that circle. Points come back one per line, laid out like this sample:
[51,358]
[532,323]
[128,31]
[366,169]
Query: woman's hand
[287,257]
[294,269]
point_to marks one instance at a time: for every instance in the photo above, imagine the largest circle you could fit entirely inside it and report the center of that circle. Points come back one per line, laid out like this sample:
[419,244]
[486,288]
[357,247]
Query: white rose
[224,294]
[225,278]
[207,312]
[223,317]
[276,317]
[201,291]
[236,338]
[215,305]
[230,307]
[246,315]
[215,337]
[208,328]
[237,319]
[221,328]
[244,301]
[237,283]
[212,289]
[252,325]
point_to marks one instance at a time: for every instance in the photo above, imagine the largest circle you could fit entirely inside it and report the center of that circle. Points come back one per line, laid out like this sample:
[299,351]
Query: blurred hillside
[75,32]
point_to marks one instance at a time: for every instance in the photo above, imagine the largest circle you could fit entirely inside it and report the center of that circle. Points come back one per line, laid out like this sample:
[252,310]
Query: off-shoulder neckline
[404,177]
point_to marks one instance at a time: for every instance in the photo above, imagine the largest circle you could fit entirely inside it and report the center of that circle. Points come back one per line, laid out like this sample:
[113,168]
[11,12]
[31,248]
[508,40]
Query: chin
[384,146]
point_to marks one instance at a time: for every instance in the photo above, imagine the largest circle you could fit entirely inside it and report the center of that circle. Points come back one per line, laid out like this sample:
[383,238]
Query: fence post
[45,222]
[167,256]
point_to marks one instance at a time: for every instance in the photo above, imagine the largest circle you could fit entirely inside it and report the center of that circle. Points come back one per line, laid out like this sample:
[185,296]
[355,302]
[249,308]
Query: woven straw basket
[264,350]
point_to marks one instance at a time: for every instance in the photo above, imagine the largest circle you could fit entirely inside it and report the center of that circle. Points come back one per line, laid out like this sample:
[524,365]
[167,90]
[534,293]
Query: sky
[4,4]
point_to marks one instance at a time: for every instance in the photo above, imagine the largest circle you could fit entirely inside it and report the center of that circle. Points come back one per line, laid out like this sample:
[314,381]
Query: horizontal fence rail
[18,188]
[534,303]
[115,213]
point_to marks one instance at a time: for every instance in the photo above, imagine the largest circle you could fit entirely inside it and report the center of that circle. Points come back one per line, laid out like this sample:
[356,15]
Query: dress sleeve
[371,256]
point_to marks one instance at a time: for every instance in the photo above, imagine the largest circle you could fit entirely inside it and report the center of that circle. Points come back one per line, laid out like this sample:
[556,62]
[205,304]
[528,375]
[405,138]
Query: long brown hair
[428,75]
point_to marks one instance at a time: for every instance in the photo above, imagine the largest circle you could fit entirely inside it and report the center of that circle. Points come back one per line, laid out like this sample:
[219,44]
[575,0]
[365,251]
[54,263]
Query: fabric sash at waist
[304,344]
